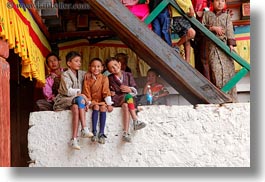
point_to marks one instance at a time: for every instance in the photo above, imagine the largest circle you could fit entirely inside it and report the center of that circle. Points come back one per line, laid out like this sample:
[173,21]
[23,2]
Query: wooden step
[177,72]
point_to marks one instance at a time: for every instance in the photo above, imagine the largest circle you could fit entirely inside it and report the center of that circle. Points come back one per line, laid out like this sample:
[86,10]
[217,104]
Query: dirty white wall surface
[175,136]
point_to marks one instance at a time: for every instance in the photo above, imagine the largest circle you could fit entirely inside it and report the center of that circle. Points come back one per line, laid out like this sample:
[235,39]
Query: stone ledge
[176,136]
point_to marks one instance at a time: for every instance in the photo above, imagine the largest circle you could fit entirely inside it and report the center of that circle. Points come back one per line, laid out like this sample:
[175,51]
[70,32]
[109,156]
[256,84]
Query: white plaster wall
[176,136]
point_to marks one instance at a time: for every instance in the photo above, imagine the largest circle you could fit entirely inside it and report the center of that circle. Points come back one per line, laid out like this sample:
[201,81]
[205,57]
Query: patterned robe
[222,67]
[96,89]
[115,83]
[70,85]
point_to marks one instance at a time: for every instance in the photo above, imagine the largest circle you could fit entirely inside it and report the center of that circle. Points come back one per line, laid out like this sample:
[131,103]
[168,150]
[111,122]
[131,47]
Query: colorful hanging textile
[19,29]
[103,50]
[242,35]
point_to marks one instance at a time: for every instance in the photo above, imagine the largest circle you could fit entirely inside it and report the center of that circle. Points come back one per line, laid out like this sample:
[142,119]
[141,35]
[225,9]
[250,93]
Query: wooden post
[5,150]
[177,72]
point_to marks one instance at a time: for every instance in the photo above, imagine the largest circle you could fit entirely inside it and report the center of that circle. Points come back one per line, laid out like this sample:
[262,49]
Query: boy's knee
[124,106]
[103,109]
[74,107]
[96,107]
[80,101]
[191,33]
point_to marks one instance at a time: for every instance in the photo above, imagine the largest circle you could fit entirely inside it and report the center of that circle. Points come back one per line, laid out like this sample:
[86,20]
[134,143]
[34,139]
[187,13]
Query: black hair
[109,60]
[123,56]
[153,70]
[95,59]
[51,54]
[71,55]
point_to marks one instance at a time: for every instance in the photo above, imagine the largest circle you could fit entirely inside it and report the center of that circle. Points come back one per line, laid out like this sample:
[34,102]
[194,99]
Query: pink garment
[141,11]
[47,89]
[198,5]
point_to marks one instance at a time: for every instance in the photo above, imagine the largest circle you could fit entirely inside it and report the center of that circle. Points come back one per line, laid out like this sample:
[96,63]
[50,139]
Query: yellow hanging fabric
[22,33]
[102,50]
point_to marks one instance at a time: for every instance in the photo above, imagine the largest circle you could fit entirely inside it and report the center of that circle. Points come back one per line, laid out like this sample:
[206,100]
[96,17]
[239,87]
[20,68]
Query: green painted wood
[219,43]
[144,42]
[232,82]
[211,36]
[156,11]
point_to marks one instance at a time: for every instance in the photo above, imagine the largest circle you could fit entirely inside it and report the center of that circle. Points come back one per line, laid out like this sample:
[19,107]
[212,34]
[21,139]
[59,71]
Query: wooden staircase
[193,86]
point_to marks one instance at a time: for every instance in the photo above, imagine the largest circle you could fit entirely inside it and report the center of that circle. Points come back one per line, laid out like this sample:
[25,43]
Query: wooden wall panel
[5,150]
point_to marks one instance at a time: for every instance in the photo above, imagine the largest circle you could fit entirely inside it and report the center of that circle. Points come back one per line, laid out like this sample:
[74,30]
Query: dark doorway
[21,104]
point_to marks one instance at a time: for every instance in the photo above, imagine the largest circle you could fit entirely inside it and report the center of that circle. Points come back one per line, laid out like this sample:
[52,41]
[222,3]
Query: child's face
[123,64]
[96,67]
[114,67]
[151,77]
[53,63]
[218,5]
[75,63]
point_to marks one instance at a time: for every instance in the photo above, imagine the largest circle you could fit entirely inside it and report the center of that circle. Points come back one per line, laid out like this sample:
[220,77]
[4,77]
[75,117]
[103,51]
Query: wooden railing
[245,65]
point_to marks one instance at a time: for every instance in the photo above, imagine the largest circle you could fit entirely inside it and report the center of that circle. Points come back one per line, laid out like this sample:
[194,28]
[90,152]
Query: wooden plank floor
[184,78]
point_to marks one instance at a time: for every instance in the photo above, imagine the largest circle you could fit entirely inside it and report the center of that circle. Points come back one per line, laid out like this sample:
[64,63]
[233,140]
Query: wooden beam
[159,55]
[82,34]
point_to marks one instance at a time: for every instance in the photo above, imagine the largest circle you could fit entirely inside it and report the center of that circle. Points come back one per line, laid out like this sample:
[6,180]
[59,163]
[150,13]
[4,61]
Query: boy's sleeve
[132,84]
[112,85]
[66,86]
[230,32]
[105,89]
[205,21]
[164,90]
[47,89]
[86,90]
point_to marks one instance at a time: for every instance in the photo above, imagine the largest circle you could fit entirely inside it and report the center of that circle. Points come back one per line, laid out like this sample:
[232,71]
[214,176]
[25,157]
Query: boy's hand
[112,93]
[191,13]
[231,48]
[109,108]
[218,30]
[148,82]
[155,97]
[87,107]
[125,88]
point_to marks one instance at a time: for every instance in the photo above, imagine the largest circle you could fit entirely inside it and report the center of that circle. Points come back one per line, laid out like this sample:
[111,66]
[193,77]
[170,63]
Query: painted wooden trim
[5,149]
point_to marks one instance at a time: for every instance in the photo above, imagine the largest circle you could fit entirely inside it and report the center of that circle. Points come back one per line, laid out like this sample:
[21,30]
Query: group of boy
[186,33]
[59,97]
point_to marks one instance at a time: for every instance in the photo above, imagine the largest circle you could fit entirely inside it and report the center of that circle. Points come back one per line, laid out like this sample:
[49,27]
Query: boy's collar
[220,12]
[95,76]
